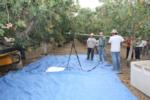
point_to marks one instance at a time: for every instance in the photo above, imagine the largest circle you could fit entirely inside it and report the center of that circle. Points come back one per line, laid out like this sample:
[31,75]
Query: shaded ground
[81,49]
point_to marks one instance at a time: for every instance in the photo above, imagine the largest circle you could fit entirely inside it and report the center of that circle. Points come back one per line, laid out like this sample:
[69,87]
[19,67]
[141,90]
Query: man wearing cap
[91,43]
[115,41]
[101,46]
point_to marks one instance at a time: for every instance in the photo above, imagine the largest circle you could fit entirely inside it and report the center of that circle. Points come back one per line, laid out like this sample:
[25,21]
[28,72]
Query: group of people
[140,47]
[99,44]
[115,40]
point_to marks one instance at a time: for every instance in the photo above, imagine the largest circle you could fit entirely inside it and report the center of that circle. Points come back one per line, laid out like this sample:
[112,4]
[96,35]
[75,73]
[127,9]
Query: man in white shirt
[91,43]
[115,41]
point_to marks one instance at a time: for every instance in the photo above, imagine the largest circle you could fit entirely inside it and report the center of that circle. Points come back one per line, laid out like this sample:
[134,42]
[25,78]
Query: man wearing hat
[91,43]
[101,46]
[115,41]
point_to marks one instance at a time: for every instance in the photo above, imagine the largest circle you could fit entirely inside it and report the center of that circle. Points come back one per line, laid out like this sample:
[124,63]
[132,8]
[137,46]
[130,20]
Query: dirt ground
[81,49]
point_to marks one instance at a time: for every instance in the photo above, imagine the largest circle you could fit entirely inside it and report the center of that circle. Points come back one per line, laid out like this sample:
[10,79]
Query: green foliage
[52,17]
[1,30]
[1,33]
[22,42]
[55,18]
[118,14]
[21,24]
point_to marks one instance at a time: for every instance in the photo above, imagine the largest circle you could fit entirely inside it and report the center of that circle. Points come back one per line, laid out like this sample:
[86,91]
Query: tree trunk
[131,50]
[130,55]
[45,48]
[26,32]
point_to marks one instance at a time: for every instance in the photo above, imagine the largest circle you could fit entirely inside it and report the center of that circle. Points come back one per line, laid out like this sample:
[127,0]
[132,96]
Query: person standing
[91,43]
[101,47]
[128,44]
[115,41]
[138,49]
[96,47]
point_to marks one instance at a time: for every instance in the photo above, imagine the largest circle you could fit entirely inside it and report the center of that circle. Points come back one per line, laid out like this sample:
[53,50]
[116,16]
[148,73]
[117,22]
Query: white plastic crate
[140,76]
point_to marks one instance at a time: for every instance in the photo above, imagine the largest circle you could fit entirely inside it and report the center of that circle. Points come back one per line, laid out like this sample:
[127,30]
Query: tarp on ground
[34,83]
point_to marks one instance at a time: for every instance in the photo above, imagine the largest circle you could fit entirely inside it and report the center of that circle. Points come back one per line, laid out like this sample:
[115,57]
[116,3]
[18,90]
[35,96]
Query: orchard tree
[34,21]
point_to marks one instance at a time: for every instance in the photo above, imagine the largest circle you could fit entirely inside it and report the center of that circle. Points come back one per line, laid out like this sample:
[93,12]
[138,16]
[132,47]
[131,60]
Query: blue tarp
[33,83]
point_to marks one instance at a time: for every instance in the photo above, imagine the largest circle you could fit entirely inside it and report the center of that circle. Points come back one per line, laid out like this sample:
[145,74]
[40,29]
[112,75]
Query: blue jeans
[102,54]
[116,61]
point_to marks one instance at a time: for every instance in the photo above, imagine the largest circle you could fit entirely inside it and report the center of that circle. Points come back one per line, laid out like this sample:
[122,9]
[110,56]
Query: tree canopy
[33,21]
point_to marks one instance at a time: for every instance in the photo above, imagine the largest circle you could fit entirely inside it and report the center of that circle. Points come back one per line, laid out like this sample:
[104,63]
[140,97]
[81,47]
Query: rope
[93,68]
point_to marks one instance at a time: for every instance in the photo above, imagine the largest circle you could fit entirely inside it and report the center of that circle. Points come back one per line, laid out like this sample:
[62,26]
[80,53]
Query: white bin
[140,76]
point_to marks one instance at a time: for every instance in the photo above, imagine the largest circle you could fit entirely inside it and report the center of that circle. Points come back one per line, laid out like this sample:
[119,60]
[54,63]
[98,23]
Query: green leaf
[21,24]
[2,32]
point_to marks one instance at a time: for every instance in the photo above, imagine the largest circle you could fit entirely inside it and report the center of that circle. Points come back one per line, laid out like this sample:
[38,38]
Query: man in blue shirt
[101,46]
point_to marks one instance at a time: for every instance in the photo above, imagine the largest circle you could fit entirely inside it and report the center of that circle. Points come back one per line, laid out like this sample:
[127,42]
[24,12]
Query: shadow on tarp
[34,83]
